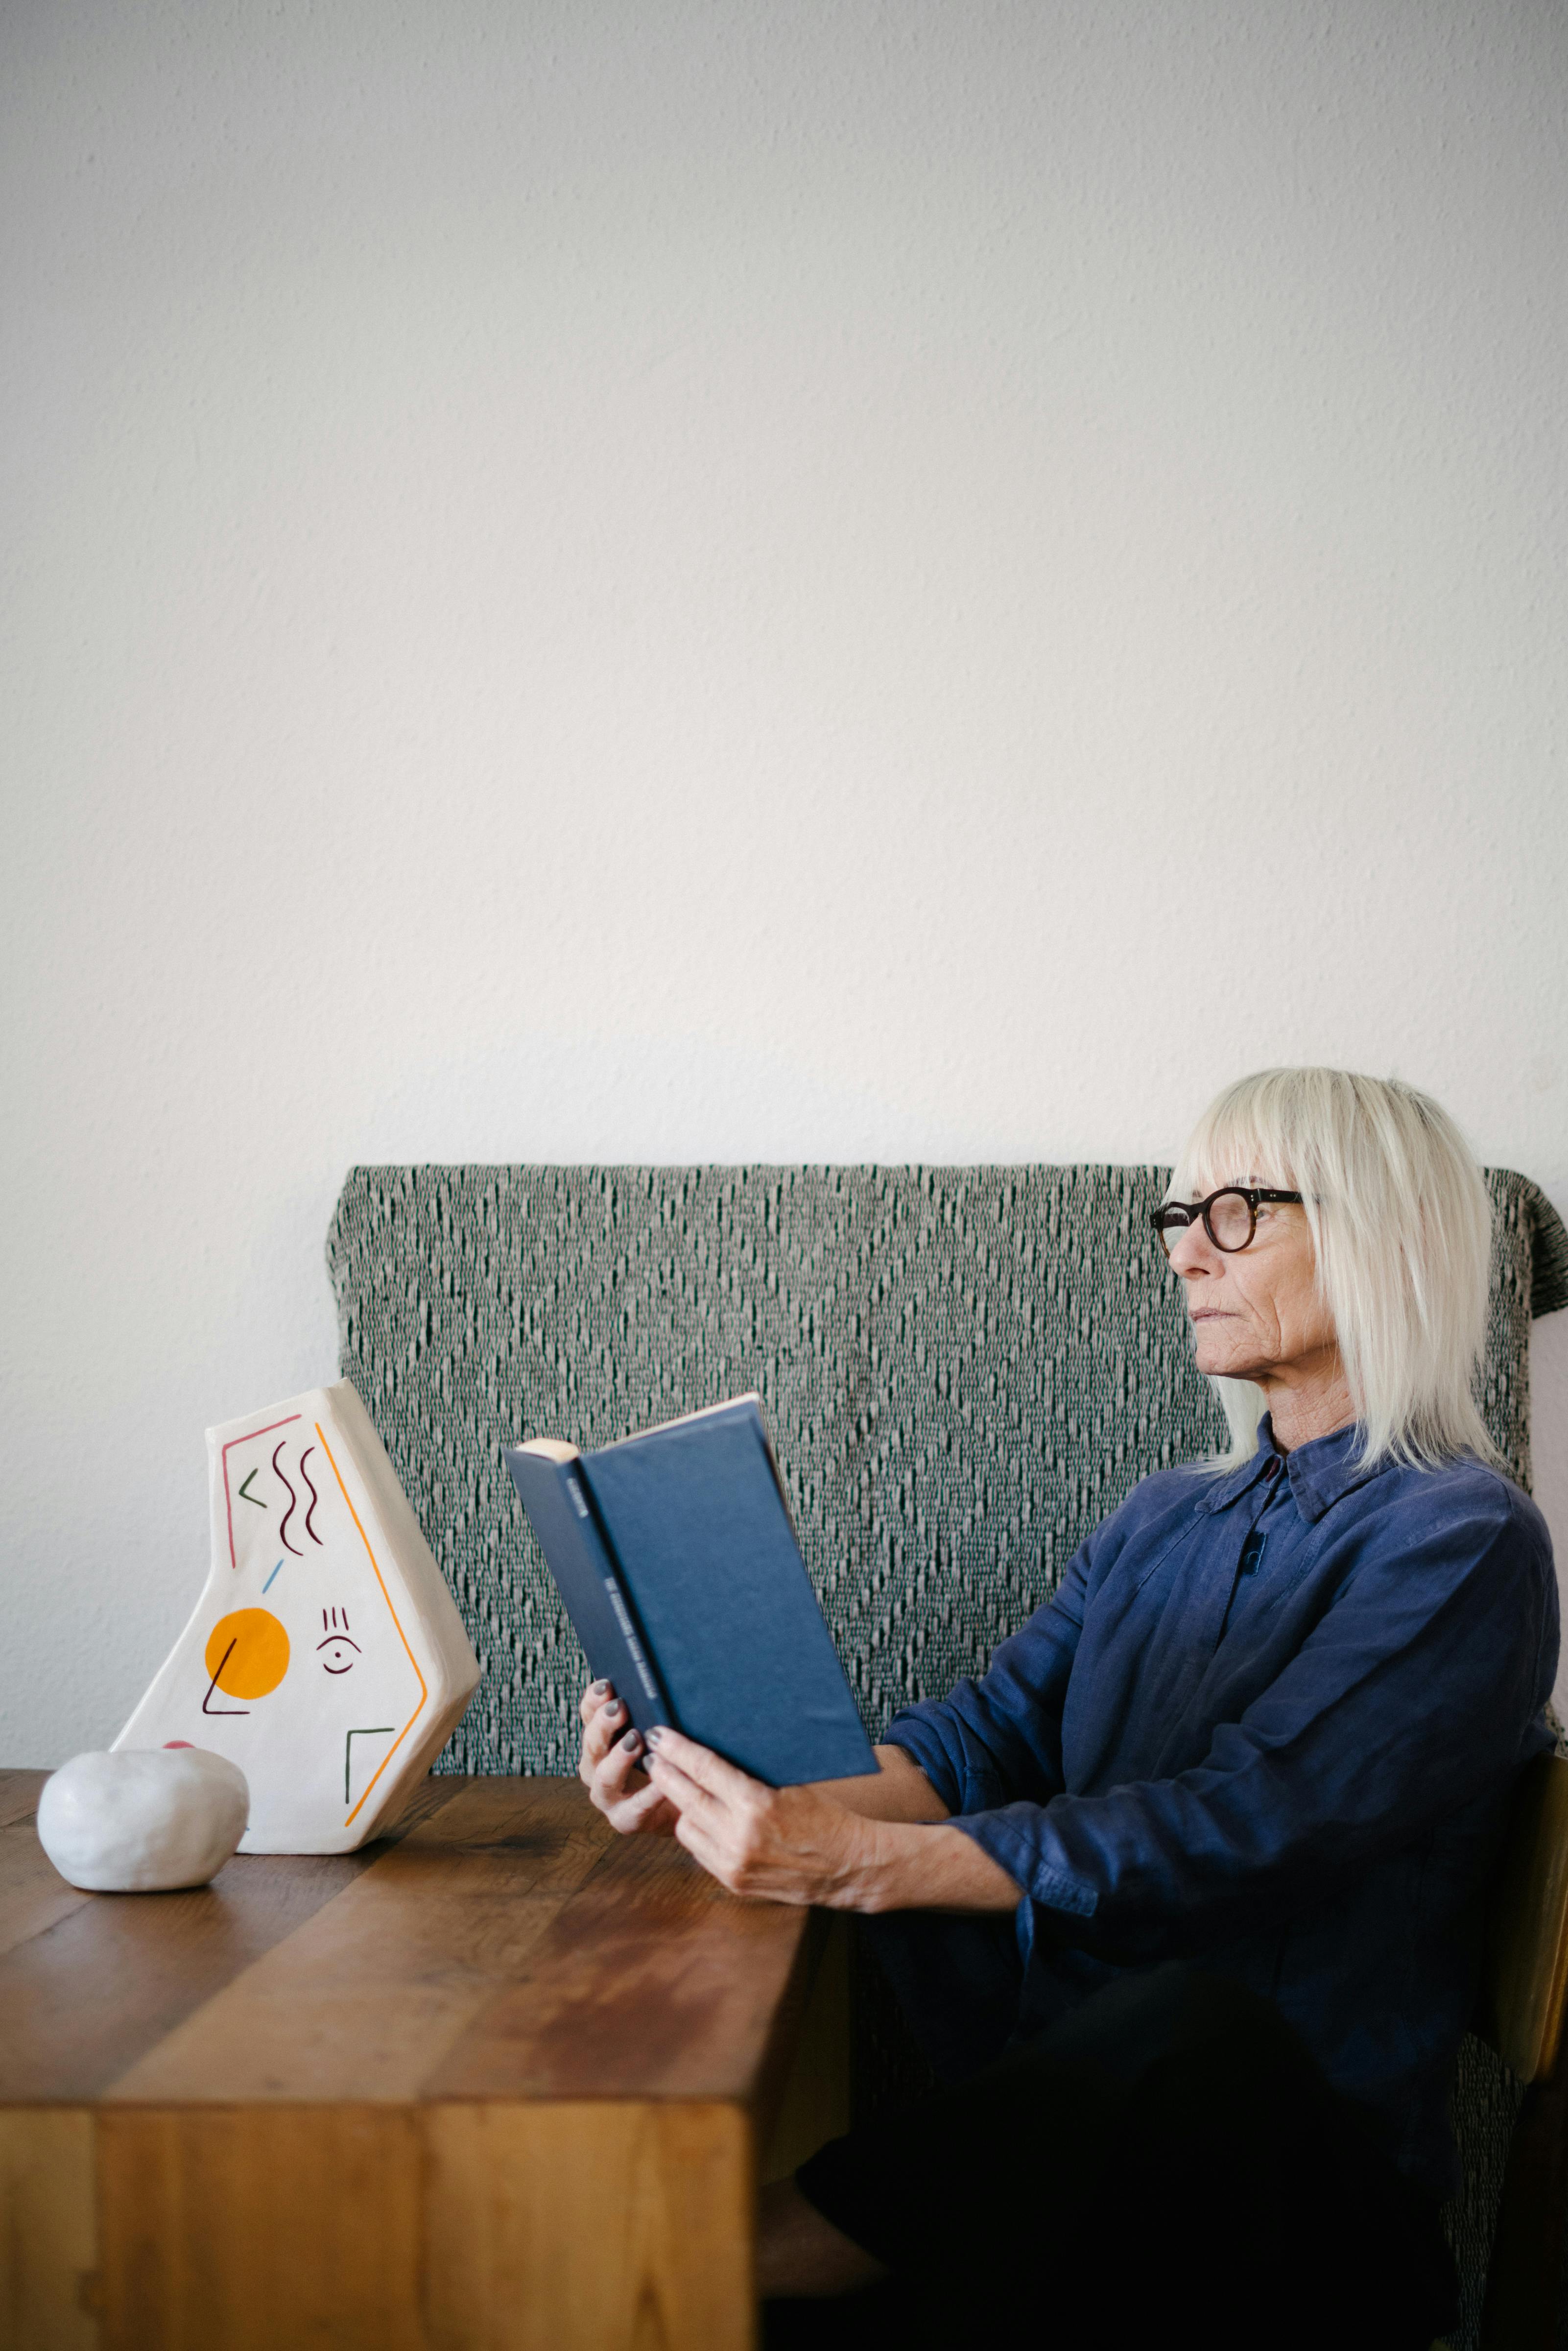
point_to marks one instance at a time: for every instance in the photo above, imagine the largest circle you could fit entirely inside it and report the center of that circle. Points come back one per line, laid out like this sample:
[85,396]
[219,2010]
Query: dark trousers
[1163,2162]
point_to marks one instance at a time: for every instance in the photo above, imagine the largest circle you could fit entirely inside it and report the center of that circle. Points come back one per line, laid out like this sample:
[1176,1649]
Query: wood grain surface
[87,1991]
[33,1894]
[651,1983]
[363,1998]
[500,2077]
[49,2281]
[260,2228]
[664,2189]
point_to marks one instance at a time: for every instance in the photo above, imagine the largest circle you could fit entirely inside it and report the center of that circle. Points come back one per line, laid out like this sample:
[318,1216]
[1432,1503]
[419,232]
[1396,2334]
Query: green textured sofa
[964,1369]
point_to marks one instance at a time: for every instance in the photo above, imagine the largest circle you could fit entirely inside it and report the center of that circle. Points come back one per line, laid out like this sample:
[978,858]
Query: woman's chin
[1219,1362]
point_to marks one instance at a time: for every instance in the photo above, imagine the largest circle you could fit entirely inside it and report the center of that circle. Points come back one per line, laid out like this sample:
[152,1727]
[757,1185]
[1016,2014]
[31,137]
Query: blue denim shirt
[1271,1723]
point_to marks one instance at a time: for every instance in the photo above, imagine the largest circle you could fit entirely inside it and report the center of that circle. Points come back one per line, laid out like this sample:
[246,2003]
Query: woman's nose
[1191,1252]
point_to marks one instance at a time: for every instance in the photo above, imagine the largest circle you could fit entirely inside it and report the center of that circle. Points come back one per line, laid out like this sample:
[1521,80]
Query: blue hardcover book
[679,1567]
[552,1490]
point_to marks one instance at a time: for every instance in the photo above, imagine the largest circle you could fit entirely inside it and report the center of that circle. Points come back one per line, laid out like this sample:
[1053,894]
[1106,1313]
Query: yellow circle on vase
[248,1653]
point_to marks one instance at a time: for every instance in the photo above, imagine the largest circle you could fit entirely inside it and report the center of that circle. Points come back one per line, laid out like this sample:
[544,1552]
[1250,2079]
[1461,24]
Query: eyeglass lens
[1229,1219]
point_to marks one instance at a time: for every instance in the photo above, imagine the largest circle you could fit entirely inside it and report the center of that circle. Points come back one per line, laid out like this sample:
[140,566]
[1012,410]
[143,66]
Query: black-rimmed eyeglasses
[1229,1216]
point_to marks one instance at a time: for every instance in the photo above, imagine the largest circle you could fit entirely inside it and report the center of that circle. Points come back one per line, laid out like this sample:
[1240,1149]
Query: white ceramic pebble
[142,1821]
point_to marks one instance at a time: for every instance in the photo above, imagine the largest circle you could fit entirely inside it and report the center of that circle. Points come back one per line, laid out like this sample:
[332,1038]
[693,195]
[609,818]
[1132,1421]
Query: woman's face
[1255,1312]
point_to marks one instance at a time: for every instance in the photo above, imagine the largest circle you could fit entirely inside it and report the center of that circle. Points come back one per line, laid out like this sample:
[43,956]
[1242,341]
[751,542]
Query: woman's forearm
[899,1792]
[904,1859]
[823,1842]
[900,1865]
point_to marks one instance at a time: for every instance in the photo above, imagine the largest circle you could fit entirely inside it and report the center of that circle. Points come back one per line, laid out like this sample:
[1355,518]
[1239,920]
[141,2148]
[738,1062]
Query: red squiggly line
[248,1438]
[288,1513]
[315,1497]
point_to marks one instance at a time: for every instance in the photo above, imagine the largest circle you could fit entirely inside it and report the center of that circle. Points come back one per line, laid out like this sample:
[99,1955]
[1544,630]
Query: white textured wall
[824,580]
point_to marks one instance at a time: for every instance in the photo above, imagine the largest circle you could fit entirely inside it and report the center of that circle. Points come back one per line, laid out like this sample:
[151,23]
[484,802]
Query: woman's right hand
[611,1767]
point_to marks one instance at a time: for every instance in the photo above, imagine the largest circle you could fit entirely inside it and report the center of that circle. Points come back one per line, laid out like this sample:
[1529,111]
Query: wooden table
[501,2079]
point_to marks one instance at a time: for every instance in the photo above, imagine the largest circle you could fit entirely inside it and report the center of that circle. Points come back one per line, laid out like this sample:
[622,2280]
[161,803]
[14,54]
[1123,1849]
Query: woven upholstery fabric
[964,1368]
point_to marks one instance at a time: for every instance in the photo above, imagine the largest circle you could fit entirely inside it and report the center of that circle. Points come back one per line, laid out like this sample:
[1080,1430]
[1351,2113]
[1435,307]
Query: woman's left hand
[775,1844]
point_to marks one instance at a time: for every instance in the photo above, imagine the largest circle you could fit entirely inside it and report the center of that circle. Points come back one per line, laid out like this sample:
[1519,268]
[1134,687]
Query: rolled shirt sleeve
[1417,1660]
[996,1740]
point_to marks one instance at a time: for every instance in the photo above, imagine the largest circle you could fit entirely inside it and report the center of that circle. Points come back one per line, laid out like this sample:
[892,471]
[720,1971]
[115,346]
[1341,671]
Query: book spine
[649,1691]
[560,1510]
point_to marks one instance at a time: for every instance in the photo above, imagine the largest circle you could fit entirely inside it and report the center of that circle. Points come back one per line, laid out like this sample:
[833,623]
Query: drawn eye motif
[341,1653]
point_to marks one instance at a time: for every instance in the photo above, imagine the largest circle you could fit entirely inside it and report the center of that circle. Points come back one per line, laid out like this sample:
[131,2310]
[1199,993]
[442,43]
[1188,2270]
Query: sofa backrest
[964,1368]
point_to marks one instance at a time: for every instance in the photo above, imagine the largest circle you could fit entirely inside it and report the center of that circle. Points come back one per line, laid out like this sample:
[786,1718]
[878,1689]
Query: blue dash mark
[272,1579]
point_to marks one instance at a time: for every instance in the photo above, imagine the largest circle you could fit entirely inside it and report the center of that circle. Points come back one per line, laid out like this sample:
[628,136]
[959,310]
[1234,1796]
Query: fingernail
[612,1709]
[633,1743]
[655,1736]
[596,1689]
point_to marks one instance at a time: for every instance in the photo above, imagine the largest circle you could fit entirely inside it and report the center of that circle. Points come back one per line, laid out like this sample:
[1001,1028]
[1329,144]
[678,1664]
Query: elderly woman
[1183,1895]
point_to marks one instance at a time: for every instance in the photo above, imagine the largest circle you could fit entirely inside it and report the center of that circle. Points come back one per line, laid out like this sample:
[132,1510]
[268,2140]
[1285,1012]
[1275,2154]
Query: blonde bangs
[1231,1144]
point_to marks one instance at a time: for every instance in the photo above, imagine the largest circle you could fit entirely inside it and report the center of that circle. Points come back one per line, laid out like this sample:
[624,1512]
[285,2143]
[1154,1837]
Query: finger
[623,1763]
[709,1852]
[599,1739]
[604,1729]
[610,1776]
[708,1770]
[648,1810]
[689,1832]
[592,1698]
[684,1792]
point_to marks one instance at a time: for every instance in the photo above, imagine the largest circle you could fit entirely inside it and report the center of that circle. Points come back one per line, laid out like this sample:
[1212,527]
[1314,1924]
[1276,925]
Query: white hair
[1401,1227]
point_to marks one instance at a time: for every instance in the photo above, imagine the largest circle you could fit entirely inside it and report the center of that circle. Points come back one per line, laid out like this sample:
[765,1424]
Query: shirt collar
[1320,1472]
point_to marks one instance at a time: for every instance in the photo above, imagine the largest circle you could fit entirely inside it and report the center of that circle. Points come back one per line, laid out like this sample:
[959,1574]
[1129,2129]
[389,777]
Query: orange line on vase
[403,1637]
